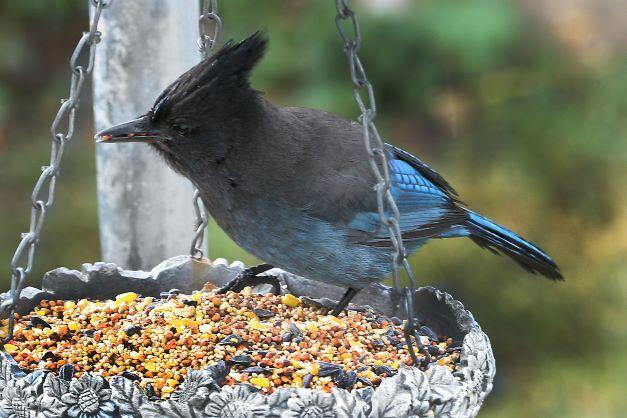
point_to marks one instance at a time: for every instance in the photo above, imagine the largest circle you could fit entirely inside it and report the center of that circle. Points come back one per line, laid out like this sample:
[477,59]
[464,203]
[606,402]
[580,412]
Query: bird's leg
[411,330]
[249,277]
[343,303]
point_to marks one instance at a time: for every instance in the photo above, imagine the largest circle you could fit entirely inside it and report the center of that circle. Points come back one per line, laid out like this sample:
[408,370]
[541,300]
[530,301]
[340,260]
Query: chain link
[348,26]
[42,196]
[209,28]
[201,225]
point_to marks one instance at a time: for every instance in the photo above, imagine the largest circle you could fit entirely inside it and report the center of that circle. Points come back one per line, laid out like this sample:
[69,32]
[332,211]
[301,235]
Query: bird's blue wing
[425,201]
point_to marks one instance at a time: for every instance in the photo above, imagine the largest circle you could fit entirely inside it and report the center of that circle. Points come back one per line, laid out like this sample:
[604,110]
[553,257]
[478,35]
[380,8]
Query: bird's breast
[286,237]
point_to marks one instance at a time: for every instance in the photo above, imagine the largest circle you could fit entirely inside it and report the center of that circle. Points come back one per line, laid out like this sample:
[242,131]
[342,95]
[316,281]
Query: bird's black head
[195,110]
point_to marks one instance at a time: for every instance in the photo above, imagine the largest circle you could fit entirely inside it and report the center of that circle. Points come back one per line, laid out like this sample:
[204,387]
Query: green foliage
[528,132]
[474,35]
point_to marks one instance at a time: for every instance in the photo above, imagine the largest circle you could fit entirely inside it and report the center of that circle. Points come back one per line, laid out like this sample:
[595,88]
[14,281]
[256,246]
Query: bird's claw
[343,303]
[250,277]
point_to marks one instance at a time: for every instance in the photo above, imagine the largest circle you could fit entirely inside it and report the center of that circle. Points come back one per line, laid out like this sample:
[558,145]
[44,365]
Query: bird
[293,186]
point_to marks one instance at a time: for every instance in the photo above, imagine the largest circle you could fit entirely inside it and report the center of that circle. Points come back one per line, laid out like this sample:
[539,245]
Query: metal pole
[145,209]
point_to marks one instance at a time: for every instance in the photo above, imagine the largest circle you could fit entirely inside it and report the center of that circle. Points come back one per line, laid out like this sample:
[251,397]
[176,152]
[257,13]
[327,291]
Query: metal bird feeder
[410,391]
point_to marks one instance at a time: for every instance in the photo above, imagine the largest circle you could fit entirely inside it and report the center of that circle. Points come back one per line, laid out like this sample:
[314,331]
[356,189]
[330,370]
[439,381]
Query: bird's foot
[250,277]
[411,330]
[343,303]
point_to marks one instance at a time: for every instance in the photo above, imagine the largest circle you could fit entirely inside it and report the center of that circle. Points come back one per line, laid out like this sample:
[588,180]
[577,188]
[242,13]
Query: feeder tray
[410,392]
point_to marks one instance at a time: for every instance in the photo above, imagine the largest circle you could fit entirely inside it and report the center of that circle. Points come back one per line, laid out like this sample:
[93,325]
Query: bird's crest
[224,71]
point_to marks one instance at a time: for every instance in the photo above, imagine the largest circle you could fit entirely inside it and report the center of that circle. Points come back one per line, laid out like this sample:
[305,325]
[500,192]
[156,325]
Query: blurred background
[520,104]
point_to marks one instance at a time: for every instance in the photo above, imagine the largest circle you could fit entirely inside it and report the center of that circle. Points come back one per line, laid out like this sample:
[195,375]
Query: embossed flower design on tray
[88,398]
[310,404]
[241,401]
[20,398]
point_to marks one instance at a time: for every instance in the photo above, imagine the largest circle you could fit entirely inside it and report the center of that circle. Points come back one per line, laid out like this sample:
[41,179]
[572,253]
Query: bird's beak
[138,130]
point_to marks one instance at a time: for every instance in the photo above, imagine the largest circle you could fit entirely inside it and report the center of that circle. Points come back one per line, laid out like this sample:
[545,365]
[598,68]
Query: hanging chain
[42,196]
[364,96]
[209,27]
[201,225]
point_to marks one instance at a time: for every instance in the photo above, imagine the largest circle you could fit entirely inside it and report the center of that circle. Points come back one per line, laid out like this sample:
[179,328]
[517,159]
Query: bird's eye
[181,128]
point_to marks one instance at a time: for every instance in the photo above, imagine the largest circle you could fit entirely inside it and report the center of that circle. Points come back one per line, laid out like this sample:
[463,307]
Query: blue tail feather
[494,237]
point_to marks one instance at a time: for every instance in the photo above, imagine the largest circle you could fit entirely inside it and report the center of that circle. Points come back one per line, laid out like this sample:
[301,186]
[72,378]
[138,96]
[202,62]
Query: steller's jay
[293,186]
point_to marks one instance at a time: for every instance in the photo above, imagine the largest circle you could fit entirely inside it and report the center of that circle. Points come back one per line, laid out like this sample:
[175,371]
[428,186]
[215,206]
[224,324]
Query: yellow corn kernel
[314,369]
[164,307]
[370,375]
[72,326]
[150,366]
[290,300]
[263,382]
[186,312]
[259,326]
[444,361]
[250,315]
[196,296]
[190,323]
[69,305]
[125,297]
[10,348]
[334,320]
[40,312]
[181,323]
[167,389]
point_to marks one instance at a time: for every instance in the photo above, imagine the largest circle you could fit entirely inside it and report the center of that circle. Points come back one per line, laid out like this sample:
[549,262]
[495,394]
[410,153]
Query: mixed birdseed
[267,341]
